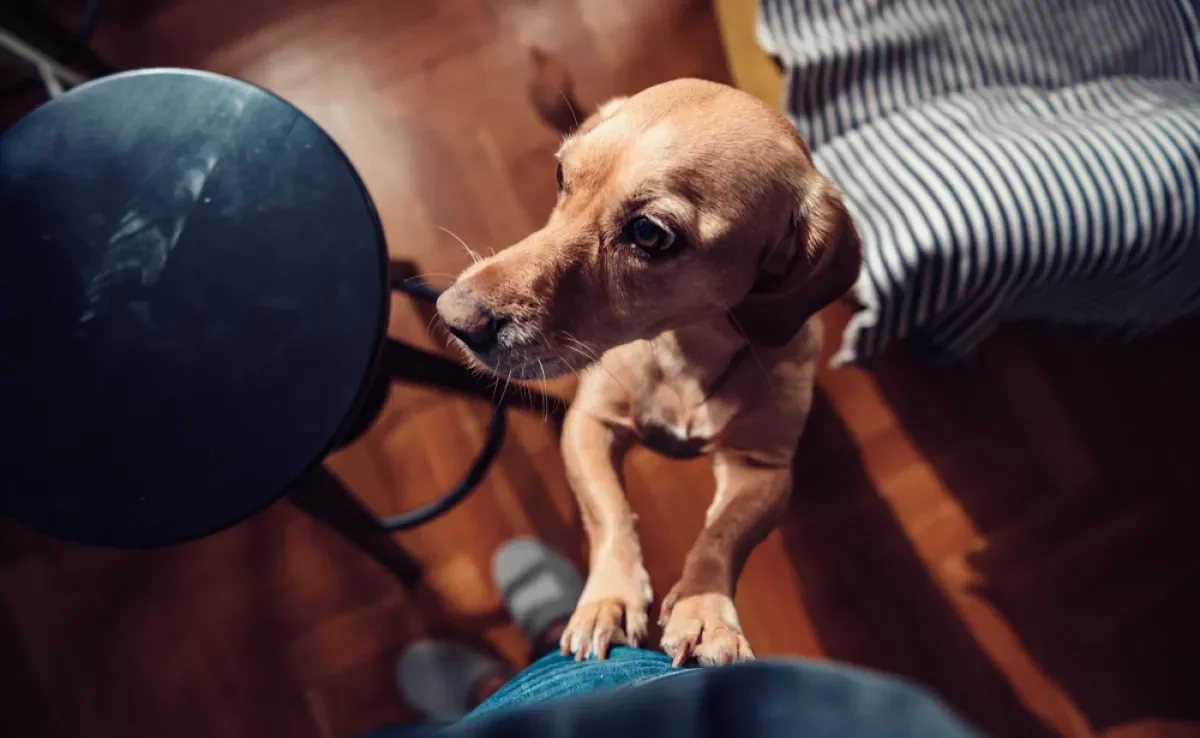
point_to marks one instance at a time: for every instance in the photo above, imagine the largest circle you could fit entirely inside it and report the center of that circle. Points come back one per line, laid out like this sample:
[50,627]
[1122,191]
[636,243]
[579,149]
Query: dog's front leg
[698,616]
[612,608]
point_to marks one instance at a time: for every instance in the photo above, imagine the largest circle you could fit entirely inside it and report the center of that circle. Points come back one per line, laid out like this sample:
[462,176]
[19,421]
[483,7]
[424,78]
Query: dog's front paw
[612,610]
[704,627]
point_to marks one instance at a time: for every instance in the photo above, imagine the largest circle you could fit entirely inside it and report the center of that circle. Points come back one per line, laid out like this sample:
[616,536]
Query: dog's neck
[700,352]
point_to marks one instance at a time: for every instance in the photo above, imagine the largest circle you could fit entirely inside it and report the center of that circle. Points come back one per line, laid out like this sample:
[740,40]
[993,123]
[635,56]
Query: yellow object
[752,70]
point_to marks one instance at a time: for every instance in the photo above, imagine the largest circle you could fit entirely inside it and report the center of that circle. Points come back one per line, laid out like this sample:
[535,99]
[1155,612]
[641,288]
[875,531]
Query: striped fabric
[1003,159]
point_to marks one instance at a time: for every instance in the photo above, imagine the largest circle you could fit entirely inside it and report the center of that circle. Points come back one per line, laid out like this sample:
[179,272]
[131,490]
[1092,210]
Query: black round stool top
[192,300]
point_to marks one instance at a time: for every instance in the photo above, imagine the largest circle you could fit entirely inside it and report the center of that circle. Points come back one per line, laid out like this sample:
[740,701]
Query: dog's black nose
[480,337]
[469,320]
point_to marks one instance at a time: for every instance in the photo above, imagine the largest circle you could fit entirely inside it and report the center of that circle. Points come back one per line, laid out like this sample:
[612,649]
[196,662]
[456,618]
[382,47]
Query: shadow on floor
[1078,461]
[869,595]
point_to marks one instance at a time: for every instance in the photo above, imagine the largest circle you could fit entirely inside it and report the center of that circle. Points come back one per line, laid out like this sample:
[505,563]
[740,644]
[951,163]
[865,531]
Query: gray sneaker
[538,585]
[439,678]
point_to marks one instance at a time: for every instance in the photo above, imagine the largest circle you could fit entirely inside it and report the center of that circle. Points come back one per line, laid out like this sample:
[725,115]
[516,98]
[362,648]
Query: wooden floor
[1019,534]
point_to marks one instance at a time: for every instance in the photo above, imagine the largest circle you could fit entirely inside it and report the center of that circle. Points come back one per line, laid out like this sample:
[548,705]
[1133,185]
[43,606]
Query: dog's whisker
[753,353]
[543,370]
[568,336]
[587,350]
[594,360]
[423,275]
[545,397]
[583,345]
[583,351]
[432,326]
[570,107]
[507,381]
[545,380]
[588,358]
[581,348]
[475,257]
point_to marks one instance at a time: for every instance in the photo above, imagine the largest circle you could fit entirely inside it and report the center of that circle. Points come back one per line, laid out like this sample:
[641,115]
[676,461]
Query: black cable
[479,467]
[416,289]
[437,508]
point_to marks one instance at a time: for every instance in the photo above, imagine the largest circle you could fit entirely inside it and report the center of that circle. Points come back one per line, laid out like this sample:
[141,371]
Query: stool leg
[322,497]
[40,29]
[54,75]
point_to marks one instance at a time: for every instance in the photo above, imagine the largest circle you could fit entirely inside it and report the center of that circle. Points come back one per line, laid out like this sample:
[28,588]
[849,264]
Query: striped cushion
[1003,159]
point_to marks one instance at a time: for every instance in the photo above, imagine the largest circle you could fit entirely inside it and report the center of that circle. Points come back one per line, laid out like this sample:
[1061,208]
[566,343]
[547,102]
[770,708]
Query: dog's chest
[676,419]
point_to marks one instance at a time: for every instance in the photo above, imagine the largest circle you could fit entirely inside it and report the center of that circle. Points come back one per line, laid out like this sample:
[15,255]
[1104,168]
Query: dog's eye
[649,236]
[560,178]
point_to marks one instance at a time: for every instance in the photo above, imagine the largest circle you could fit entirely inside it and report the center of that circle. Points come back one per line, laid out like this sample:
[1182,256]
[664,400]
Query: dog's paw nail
[600,644]
[705,628]
[683,652]
[599,624]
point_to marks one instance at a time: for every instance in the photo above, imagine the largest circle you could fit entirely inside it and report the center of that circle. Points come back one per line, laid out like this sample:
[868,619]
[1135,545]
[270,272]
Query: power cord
[491,445]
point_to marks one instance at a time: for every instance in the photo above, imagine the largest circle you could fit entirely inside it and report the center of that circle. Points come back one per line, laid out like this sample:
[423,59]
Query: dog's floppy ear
[815,263]
[553,93]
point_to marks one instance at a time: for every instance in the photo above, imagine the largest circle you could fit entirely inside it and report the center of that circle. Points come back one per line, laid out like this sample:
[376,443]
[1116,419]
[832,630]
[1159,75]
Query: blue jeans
[553,676]
[637,693]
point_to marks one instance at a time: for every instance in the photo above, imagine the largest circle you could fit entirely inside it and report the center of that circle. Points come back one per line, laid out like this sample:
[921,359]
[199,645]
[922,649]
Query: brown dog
[681,272]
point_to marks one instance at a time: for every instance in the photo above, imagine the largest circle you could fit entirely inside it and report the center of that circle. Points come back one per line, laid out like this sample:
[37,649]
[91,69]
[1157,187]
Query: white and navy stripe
[1003,159]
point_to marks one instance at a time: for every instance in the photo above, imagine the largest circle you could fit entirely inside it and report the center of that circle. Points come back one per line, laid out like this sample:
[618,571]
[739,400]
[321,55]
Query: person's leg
[539,587]
[629,694]
[754,700]
[555,676]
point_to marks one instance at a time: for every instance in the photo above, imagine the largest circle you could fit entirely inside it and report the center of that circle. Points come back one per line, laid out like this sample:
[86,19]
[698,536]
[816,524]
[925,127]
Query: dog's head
[688,200]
